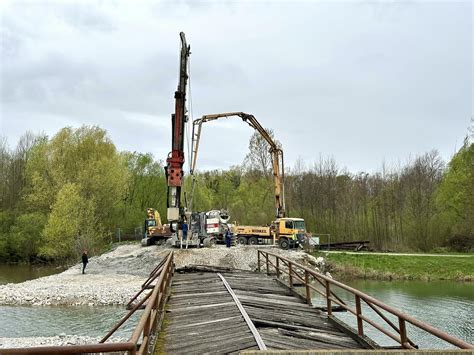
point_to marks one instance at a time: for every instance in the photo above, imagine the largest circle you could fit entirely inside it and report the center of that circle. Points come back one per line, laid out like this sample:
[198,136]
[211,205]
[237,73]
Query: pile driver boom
[175,160]
[275,151]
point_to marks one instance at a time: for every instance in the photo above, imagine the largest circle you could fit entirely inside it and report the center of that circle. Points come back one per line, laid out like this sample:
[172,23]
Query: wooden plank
[206,306]
[265,323]
[213,322]
[199,294]
[258,339]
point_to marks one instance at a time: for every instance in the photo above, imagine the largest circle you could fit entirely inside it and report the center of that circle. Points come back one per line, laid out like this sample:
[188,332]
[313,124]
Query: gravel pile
[111,279]
[241,257]
[59,340]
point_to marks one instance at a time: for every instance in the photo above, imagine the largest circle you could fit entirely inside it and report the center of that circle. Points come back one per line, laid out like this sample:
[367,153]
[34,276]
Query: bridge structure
[207,309]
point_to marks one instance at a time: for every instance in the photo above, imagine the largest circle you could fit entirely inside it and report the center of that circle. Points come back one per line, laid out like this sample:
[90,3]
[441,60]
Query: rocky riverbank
[58,340]
[111,279]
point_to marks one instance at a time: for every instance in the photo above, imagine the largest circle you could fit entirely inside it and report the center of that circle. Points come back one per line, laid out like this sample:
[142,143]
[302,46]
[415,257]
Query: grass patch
[387,267]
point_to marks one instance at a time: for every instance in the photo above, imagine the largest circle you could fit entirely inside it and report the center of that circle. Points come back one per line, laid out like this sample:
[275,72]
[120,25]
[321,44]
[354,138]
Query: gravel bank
[111,279]
[59,340]
[114,277]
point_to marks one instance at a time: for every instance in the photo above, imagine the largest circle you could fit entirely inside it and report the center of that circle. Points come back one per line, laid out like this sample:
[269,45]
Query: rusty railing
[139,342]
[309,278]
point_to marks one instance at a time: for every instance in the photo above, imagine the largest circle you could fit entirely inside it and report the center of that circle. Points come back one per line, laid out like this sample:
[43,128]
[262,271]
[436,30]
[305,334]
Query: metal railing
[309,278]
[140,340]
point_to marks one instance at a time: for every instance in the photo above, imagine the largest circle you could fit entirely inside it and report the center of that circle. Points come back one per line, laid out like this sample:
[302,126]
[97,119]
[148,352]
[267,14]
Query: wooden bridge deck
[202,316]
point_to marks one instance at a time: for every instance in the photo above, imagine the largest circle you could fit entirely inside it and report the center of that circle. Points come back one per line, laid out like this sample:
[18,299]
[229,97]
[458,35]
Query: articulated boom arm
[275,151]
[175,160]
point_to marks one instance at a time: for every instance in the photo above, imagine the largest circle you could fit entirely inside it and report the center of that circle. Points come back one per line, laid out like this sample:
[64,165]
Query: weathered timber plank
[213,305]
[331,341]
[199,294]
[190,338]
[276,303]
[270,296]
[216,346]
[213,322]
[266,323]
[199,301]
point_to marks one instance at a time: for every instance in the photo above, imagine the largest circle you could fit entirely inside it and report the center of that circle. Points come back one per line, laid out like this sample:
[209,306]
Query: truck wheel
[242,240]
[253,241]
[284,244]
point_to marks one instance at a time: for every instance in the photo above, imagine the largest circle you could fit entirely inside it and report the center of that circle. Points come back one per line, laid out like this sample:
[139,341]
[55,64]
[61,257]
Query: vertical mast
[175,161]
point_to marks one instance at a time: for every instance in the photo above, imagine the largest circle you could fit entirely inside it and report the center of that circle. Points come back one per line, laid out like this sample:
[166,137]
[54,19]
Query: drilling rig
[175,161]
[177,215]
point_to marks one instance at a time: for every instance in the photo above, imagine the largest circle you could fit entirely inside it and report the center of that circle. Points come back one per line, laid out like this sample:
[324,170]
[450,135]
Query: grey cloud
[362,81]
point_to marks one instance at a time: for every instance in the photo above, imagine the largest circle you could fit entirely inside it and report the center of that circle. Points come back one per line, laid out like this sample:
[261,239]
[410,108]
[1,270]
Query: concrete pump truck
[287,232]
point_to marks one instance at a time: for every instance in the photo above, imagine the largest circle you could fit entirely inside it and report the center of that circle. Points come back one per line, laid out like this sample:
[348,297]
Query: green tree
[455,195]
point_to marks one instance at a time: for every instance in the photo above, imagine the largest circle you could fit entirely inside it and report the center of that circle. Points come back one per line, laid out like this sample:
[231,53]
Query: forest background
[74,190]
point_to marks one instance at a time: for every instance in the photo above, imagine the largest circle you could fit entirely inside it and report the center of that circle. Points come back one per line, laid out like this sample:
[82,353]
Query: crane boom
[175,160]
[275,151]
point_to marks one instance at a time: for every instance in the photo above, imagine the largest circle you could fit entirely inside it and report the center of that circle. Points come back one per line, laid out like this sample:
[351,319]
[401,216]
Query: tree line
[72,191]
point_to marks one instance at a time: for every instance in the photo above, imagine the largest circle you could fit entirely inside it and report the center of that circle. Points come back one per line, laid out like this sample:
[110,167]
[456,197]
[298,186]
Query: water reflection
[15,273]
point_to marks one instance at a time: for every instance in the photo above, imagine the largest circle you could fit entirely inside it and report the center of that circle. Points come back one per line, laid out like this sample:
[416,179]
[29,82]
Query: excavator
[155,232]
[287,232]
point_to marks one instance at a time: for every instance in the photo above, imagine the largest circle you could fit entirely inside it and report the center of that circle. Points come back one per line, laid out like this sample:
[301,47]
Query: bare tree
[259,158]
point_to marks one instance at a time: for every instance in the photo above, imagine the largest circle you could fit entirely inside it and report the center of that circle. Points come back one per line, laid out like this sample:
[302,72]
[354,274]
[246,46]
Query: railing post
[268,271]
[328,300]
[403,333]
[360,324]
[290,274]
[258,260]
[308,290]
[277,260]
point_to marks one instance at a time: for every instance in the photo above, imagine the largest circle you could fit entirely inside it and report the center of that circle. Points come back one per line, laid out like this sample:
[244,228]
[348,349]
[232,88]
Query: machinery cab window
[289,224]
[150,223]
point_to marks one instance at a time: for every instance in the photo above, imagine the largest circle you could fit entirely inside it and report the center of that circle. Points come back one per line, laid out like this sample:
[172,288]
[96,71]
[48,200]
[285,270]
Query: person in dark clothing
[85,260]
[185,230]
[228,238]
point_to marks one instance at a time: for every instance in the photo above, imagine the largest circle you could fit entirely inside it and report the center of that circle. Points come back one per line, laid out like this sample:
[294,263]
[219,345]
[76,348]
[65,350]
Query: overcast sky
[363,82]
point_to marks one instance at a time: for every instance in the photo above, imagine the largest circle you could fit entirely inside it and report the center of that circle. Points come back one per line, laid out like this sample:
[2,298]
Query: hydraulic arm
[275,151]
[175,160]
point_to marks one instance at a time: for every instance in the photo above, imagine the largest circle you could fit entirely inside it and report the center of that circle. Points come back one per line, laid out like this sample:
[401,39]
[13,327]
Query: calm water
[14,273]
[446,305]
[20,321]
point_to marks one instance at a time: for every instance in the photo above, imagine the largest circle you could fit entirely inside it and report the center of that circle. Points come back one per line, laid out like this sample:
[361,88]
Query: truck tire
[253,241]
[284,243]
[242,240]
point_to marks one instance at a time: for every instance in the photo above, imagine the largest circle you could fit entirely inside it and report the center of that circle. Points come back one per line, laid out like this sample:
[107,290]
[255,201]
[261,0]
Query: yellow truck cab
[289,232]
[286,232]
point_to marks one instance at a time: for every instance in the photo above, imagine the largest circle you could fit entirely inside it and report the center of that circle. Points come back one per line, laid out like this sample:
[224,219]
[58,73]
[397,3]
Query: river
[21,272]
[446,305]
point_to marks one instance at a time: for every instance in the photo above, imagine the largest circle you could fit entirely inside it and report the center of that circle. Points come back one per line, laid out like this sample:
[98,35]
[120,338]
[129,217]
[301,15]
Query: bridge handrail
[152,315]
[401,338]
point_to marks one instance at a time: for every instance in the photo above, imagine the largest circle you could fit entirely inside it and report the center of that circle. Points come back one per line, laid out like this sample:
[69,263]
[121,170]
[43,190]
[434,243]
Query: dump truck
[155,232]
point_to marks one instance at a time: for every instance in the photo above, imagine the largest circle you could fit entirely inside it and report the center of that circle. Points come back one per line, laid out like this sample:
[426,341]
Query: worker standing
[85,260]
[228,238]
[185,230]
